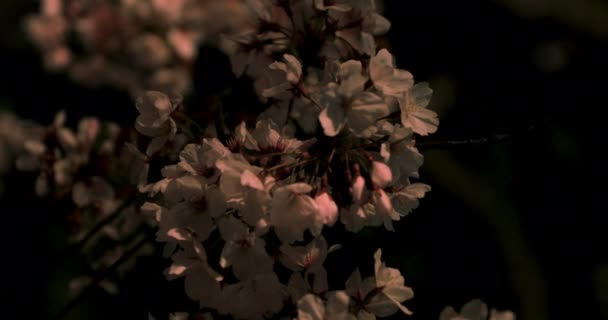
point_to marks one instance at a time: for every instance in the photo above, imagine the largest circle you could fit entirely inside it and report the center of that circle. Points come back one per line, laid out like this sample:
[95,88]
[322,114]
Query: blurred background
[518,223]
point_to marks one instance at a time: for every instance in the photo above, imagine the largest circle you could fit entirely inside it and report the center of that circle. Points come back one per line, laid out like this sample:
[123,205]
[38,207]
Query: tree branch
[99,225]
[496,138]
[101,276]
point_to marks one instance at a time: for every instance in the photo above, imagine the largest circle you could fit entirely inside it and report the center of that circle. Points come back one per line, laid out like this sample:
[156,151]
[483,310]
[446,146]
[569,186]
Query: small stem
[270,154]
[183,116]
[305,94]
[188,132]
[282,165]
[426,145]
[220,119]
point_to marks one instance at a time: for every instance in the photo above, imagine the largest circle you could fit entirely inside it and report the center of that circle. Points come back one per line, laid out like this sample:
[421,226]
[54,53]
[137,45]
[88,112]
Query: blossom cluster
[13,134]
[245,213]
[334,149]
[131,44]
[90,169]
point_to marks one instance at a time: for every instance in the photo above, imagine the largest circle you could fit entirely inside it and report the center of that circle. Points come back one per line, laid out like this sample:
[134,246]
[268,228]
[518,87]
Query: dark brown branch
[101,276]
[100,224]
[496,138]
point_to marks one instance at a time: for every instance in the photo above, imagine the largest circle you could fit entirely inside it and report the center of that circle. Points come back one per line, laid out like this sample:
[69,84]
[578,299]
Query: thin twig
[220,120]
[187,119]
[439,144]
[302,91]
[102,223]
[101,276]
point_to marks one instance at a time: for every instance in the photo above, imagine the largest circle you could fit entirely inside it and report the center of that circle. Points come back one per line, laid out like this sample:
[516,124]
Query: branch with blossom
[335,148]
[325,152]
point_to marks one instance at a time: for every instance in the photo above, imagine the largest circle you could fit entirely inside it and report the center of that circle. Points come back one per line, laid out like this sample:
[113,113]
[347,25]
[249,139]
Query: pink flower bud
[328,210]
[381,174]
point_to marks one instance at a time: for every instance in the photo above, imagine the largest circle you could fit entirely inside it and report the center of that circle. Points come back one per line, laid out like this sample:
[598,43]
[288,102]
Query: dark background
[518,223]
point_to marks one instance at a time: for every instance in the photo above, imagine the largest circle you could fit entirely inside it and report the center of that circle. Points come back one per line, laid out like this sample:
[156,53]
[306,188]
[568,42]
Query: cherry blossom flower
[155,120]
[360,36]
[201,281]
[308,259]
[387,79]
[293,211]
[407,199]
[380,295]
[243,250]
[267,137]
[232,168]
[328,210]
[258,296]
[291,73]
[383,210]
[381,174]
[392,283]
[199,160]
[402,156]
[346,103]
[414,112]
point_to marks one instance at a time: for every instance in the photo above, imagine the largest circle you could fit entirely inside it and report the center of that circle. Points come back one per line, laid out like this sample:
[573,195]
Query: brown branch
[496,138]
[99,225]
[101,276]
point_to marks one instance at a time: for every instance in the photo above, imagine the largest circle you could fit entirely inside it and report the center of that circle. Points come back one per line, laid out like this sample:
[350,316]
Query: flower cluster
[247,212]
[334,149]
[131,44]
[91,170]
[13,134]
